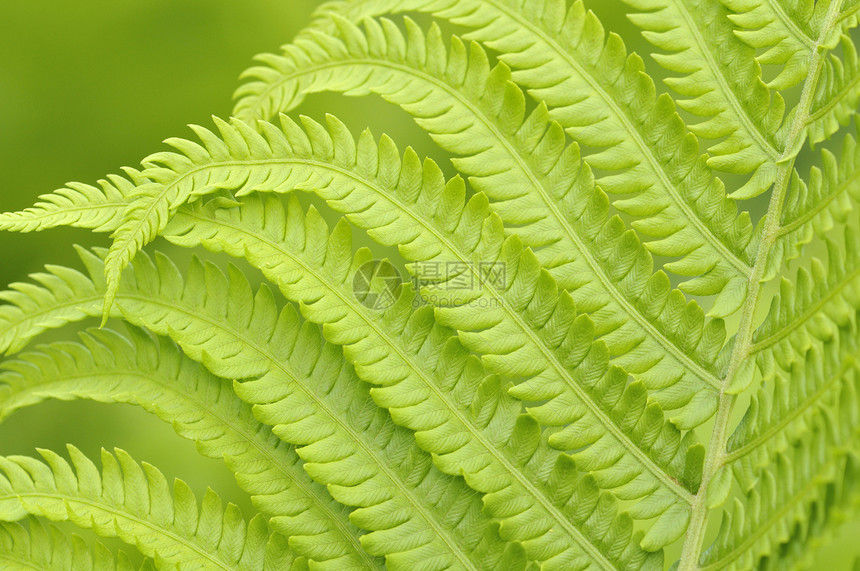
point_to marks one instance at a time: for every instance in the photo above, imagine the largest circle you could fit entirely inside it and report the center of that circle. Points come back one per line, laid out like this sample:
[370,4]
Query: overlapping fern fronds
[593,302]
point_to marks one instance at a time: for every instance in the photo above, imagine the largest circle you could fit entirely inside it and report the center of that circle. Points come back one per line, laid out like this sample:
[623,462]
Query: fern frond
[804,485]
[271,343]
[814,306]
[160,304]
[63,295]
[537,183]
[380,190]
[741,362]
[816,204]
[720,79]
[41,545]
[134,503]
[201,407]
[294,250]
[287,158]
[411,502]
[602,98]
[788,32]
[409,487]
[79,205]
[826,384]
[547,350]
[835,101]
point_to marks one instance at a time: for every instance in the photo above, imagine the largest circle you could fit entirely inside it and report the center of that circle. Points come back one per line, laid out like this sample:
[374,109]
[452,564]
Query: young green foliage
[653,369]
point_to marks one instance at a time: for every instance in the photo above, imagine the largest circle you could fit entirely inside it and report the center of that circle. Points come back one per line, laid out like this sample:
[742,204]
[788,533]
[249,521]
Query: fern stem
[716,455]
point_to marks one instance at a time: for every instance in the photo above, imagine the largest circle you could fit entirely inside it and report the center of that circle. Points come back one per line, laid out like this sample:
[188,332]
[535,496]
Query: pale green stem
[716,455]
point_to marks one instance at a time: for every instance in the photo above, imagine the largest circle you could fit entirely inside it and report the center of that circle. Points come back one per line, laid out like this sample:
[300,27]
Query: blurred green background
[90,86]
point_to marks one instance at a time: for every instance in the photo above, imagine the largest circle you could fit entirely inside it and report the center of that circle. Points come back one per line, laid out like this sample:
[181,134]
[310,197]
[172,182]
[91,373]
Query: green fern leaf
[616,472]
[313,158]
[134,502]
[537,185]
[239,361]
[804,485]
[283,160]
[80,205]
[675,196]
[720,82]
[817,204]
[536,398]
[311,271]
[154,306]
[159,304]
[789,32]
[203,408]
[351,323]
[602,98]
[41,545]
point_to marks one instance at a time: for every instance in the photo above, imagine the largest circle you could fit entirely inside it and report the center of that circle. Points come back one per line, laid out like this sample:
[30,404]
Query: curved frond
[134,502]
[543,351]
[272,342]
[80,205]
[41,545]
[537,183]
[201,407]
[601,96]
[313,158]
[410,485]
[59,296]
[377,189]
[294,250]
[147,302]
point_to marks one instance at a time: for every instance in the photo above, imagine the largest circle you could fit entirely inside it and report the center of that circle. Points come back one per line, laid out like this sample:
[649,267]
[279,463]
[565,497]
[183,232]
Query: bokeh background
[90,86]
